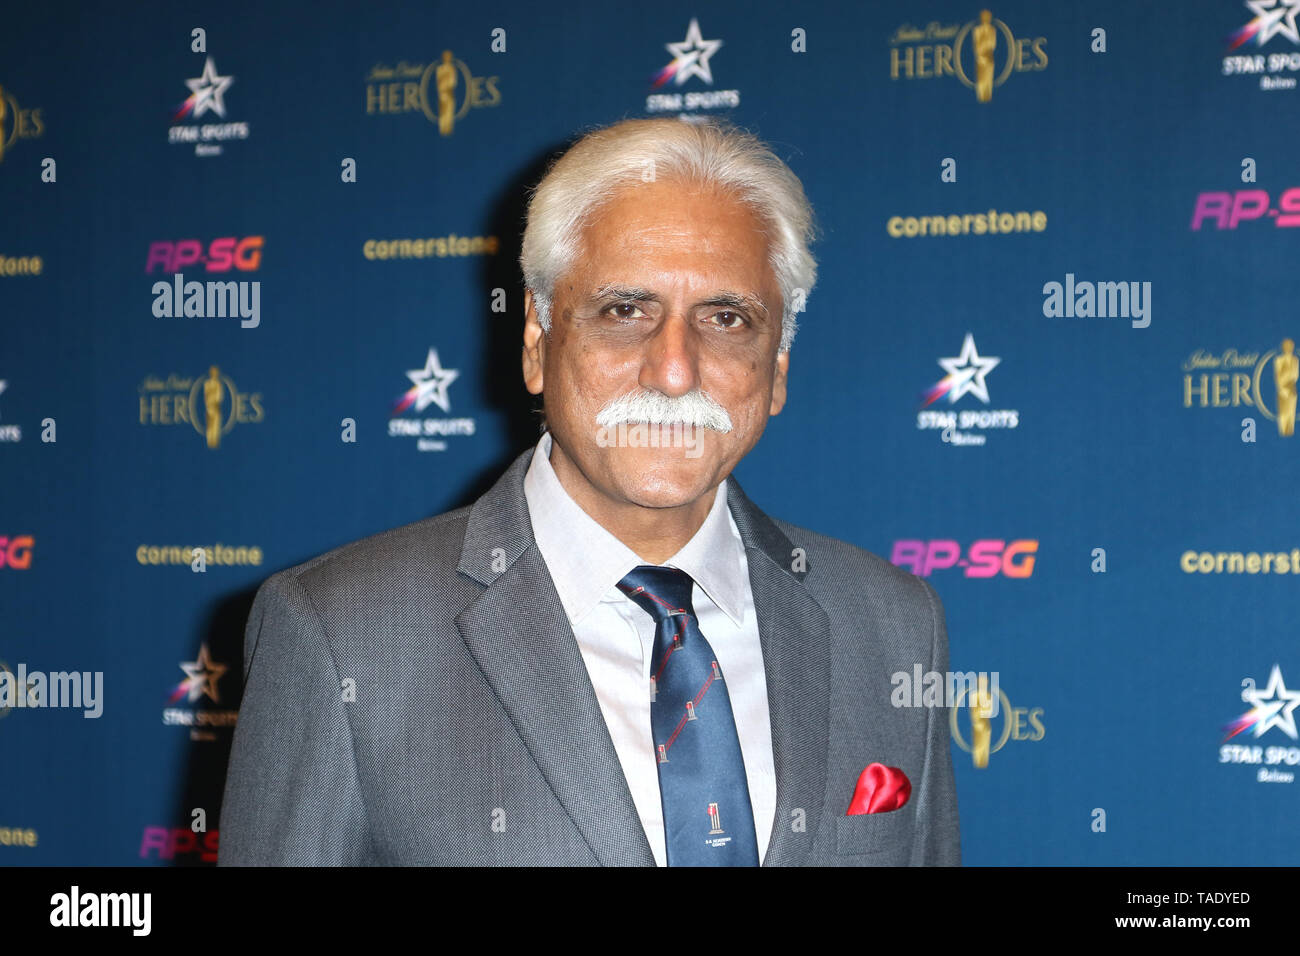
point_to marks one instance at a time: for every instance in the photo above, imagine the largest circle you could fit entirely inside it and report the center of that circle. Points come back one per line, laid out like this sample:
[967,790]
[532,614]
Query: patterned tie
[707,817]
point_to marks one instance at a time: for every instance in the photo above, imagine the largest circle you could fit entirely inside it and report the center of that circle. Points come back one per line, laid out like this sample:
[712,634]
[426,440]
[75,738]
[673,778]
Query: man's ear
[534,345]
[778,384]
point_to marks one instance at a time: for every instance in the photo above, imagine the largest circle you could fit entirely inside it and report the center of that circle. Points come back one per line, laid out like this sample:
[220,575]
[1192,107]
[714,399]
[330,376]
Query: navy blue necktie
[708,820]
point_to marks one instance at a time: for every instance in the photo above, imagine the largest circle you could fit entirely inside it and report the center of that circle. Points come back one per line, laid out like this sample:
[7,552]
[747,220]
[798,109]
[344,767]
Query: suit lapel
[520,637]
[794,632]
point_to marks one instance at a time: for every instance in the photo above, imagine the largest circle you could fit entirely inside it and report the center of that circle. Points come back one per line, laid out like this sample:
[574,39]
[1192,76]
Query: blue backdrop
[1105,502]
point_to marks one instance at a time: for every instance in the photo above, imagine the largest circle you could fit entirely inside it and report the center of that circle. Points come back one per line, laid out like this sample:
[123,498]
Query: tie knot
[661,592]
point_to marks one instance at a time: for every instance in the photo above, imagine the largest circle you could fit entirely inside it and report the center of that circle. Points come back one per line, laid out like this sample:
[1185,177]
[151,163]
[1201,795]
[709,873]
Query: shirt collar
[586,561]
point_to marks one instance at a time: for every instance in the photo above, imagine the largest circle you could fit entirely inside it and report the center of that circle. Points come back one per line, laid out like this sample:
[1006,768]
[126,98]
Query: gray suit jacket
[475,736]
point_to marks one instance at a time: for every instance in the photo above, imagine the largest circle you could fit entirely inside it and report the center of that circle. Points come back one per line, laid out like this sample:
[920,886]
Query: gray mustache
[695,409]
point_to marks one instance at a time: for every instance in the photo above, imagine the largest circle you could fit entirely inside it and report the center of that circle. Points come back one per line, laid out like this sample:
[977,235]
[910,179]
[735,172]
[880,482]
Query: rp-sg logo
[1228,210]
[16,552]
[222,255]
[985,558]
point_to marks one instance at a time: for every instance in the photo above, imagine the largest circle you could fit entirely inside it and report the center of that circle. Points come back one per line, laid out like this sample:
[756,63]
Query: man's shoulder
[844,573]
[428,548]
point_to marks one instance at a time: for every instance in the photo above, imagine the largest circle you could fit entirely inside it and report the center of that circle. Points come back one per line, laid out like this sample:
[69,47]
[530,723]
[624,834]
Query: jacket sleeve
[293,794]
[938,838]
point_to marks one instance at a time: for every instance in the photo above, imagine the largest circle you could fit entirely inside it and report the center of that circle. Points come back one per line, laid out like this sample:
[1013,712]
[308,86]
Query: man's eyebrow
[724,299]
[633,293]
[736,300]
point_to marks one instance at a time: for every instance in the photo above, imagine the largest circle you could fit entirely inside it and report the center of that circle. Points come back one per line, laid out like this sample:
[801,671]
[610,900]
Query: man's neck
[655,534]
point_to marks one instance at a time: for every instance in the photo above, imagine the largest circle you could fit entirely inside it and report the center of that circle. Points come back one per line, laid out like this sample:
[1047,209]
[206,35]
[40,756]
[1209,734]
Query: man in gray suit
[613,657]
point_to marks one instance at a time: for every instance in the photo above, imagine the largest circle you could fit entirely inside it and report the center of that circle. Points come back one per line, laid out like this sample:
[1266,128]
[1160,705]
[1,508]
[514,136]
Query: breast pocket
[885,837]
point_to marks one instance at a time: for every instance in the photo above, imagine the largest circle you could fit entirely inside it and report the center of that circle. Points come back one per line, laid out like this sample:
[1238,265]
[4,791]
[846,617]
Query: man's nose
[670,363]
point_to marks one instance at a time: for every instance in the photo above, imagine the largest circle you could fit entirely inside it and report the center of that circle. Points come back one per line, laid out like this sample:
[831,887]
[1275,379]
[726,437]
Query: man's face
[672,292]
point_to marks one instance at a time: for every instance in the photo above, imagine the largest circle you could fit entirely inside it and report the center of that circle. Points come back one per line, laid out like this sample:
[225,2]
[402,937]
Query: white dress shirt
[616,636]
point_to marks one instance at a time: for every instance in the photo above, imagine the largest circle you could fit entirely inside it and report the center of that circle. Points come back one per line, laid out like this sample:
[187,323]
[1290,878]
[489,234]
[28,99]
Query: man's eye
[729,320]
[624,310]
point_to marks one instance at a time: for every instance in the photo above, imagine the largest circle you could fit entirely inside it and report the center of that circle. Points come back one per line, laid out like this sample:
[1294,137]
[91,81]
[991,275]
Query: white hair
[635,151]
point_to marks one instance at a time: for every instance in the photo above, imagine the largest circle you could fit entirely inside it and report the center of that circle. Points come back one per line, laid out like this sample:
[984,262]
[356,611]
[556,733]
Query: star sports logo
[1273,707]
[966,373]
[206,94]
[1272,17]
[691,58]
[430,386]
[206,99]
[201,678]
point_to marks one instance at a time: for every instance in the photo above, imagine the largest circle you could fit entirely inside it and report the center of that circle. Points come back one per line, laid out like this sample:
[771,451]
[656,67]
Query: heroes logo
[986,558]
[222,254]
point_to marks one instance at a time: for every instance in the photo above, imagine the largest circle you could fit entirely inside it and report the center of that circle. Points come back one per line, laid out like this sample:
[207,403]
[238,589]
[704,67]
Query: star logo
[966,374]
[691,57]
[1271,18]
[201,678]
[430,386]
[1274,17]
[1272,707]
[206,92]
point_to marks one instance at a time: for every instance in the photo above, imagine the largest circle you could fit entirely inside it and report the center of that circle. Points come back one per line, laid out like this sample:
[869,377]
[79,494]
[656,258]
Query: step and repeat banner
[259,297]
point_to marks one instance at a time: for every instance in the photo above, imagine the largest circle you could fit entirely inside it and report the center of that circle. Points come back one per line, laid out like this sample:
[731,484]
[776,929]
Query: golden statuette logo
[986,41]
[981,723]
[212,405]
[446,80]
[1286,371]
[1018,723]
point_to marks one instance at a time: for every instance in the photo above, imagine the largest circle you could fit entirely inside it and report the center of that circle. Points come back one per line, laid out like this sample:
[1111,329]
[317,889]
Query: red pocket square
[880,789]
